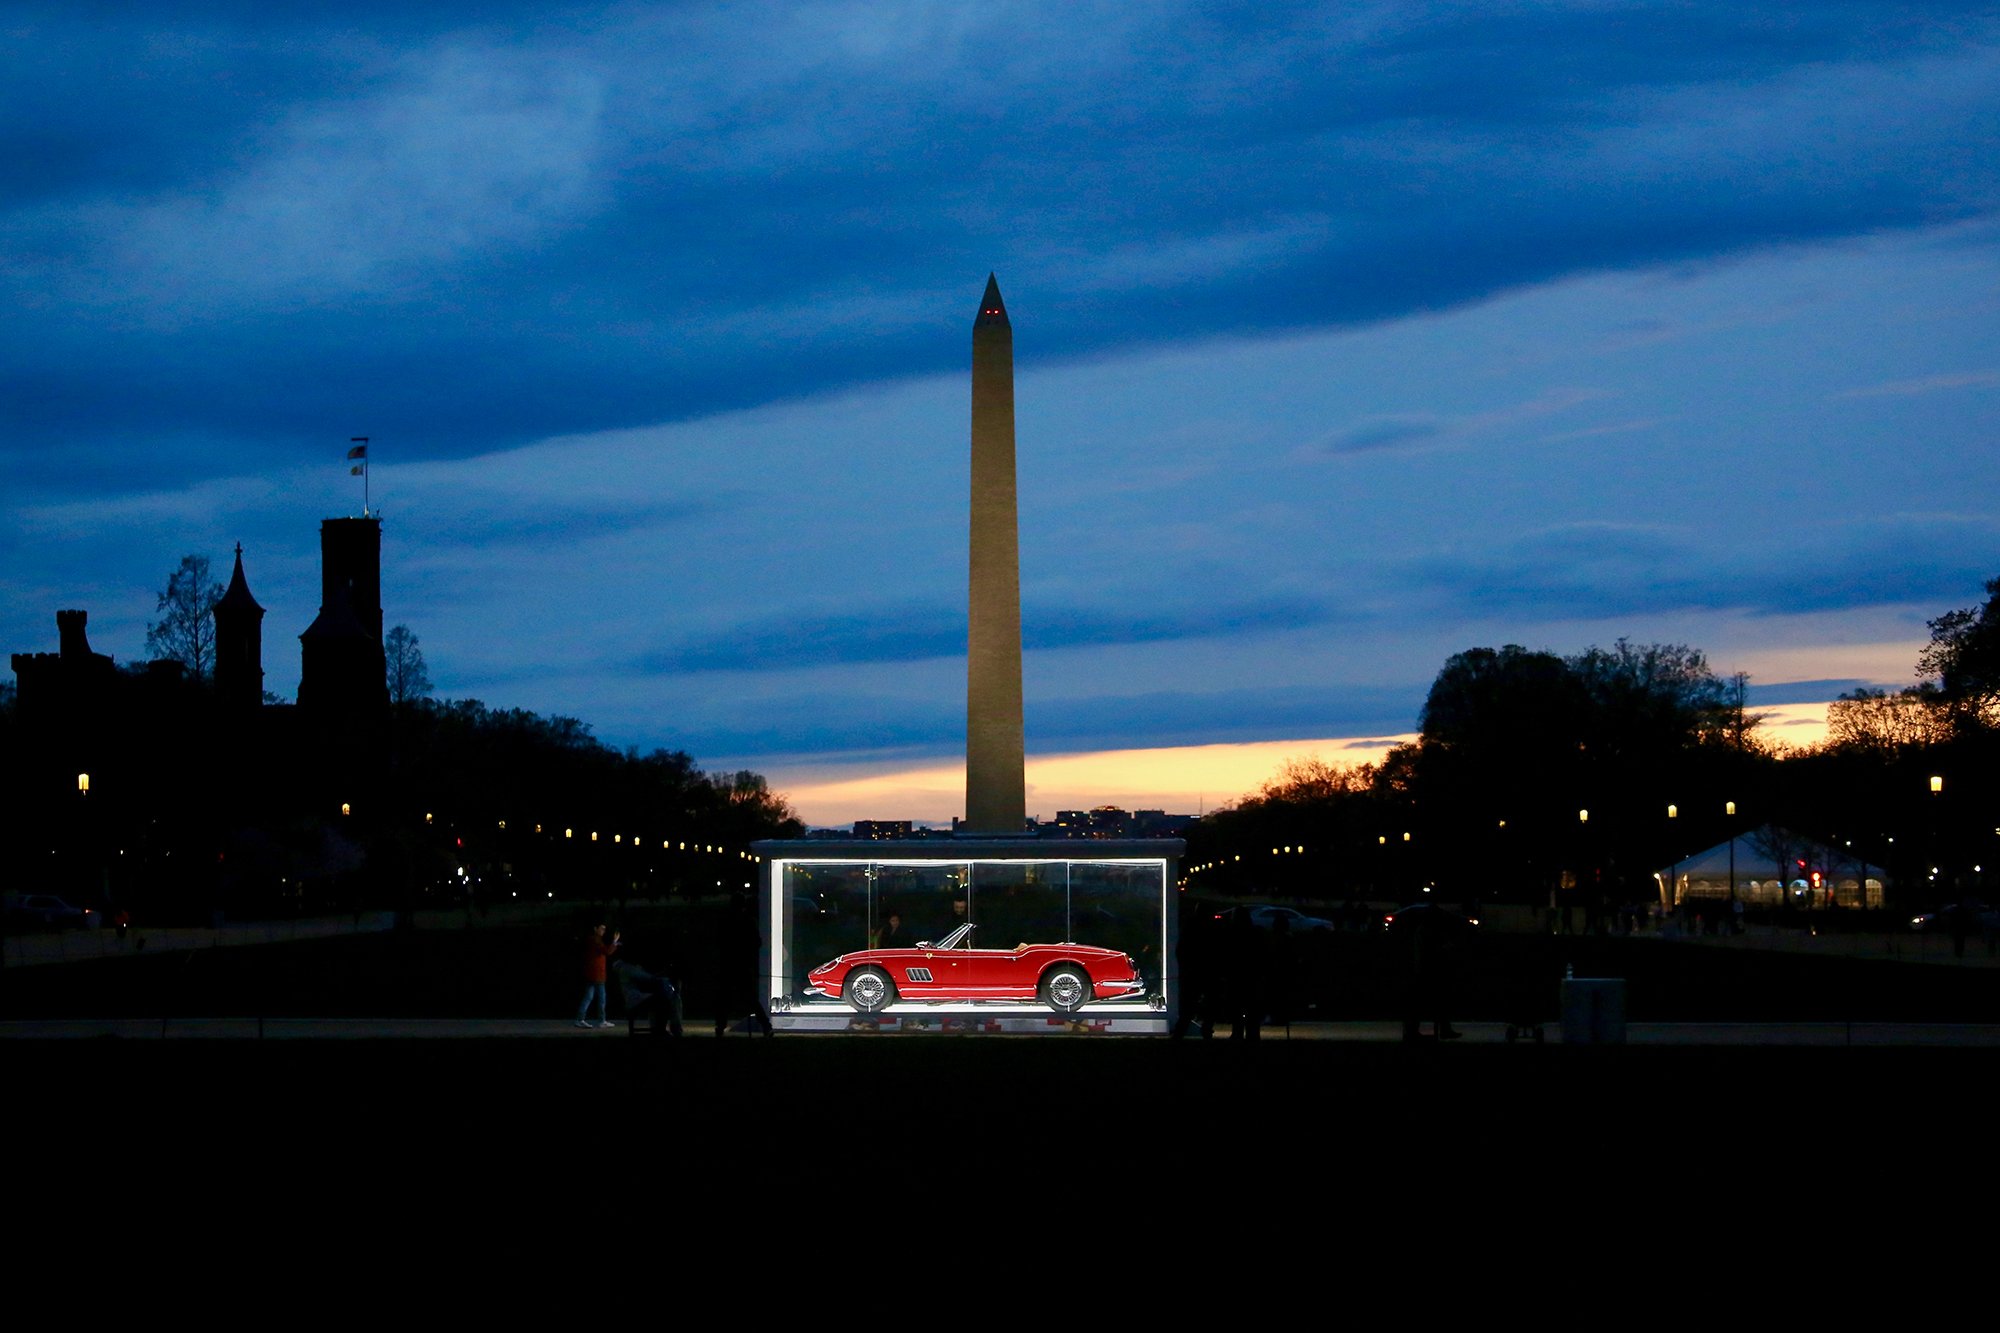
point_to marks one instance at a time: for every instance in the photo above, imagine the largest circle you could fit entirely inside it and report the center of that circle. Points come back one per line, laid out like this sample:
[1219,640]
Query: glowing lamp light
[1673,812]
[1583,816]
[1937,783]
[569,833]
[1406,837]
[1729,807]
[83,784]
[346,809]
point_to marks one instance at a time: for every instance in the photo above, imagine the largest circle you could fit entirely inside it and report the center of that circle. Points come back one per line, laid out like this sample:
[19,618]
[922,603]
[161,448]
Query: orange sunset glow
[1187,779]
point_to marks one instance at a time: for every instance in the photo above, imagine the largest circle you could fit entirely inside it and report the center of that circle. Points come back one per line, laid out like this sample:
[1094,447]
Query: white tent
[1771,866]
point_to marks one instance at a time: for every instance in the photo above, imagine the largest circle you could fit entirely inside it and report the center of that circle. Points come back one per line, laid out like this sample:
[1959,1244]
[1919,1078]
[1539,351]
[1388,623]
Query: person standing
[1246,999]
[738,982]
[597,953]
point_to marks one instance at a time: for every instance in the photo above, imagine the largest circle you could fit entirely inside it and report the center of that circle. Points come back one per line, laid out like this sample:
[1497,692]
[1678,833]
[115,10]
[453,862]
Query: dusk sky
[1348,336]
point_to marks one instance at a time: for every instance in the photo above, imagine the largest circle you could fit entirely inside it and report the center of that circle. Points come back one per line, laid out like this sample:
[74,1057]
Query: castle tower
[995,780]
[71,638]
[350,557]
[239,644]
[341,668]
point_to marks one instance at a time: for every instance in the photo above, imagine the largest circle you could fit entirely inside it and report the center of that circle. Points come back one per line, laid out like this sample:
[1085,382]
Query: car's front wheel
[1066,989]
[869,990]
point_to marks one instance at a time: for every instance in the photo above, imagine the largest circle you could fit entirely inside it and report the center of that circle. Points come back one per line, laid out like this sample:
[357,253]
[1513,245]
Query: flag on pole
[358,451]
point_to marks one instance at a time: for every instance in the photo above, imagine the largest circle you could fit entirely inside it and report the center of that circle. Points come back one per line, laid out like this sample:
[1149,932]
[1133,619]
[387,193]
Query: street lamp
[1729,809]
[83,784]
[1670,891]
[1937,840]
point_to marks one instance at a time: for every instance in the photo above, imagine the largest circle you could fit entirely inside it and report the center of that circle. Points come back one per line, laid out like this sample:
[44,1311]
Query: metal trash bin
[1593,1011]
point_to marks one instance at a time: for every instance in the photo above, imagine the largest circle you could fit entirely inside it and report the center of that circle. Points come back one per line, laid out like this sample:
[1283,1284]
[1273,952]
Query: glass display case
[997,935]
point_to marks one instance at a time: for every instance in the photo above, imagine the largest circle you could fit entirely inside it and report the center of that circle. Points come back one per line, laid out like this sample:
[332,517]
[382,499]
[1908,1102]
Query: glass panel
[919,902]
[1018,902]
[831,910]
[827,907]
[1117,905]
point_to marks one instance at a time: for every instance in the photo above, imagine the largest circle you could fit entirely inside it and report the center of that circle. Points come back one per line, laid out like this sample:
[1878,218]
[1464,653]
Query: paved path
[82,945]
[1371,1033]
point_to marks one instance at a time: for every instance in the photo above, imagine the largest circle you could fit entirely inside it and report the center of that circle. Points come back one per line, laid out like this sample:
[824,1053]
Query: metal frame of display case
[798,921]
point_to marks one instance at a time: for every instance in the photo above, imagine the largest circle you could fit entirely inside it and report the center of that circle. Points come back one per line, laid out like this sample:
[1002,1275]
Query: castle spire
[239,643]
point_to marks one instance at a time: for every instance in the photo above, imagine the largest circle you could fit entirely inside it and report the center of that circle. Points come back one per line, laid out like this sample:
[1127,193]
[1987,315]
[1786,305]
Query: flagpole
[358,448]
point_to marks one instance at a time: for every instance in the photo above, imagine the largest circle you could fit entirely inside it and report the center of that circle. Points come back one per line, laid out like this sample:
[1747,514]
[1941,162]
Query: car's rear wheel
[869,990]
[1066,988]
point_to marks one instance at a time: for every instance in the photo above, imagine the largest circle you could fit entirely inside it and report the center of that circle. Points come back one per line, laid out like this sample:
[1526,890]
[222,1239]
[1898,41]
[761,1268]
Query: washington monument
[995,785]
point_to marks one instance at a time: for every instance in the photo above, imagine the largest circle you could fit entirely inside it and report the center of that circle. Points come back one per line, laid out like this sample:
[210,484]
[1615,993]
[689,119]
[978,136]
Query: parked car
[1266,917]
[1429,916]
[1970,916]
[1063,976]
[49,912]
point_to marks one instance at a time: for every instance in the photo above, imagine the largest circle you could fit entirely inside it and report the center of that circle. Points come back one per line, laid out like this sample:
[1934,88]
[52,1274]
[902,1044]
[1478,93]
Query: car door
[995,974]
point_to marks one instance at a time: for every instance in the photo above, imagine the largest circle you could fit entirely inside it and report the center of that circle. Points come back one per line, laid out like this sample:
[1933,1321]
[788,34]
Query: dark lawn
[516,972]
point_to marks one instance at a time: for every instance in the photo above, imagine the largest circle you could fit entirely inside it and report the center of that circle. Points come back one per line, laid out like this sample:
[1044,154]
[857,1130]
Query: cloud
[1602,569]
[470,152]
[1386,433]
[1979,379]
[927,631]
[1800,692]
[371,226]
[1407,430]
[1194,717]
[919,727]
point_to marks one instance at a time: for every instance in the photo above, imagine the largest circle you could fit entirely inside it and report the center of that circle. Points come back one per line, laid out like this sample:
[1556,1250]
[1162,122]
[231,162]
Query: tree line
[1533,771]
[192,806]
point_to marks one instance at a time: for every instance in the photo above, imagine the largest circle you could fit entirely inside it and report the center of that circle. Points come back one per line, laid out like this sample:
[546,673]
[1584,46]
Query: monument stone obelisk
[995,783]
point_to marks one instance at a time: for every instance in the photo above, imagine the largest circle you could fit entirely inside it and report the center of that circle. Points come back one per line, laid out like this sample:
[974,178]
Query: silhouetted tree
[185,631]
[408,679]
[1314,779]
[1964,658]
[752,807]
[1505,735]
[1512,745]
[1891,723]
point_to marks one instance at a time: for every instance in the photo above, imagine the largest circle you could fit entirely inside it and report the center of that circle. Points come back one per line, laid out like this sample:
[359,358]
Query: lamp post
[1670,891]
[1729,810]
[1937,801]
[1586,879]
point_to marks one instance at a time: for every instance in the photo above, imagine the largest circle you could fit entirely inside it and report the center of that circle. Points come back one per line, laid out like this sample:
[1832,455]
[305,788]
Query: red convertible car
[1063,976]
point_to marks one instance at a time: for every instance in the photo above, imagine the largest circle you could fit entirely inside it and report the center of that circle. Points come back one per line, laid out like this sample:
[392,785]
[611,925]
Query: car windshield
[960,938]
